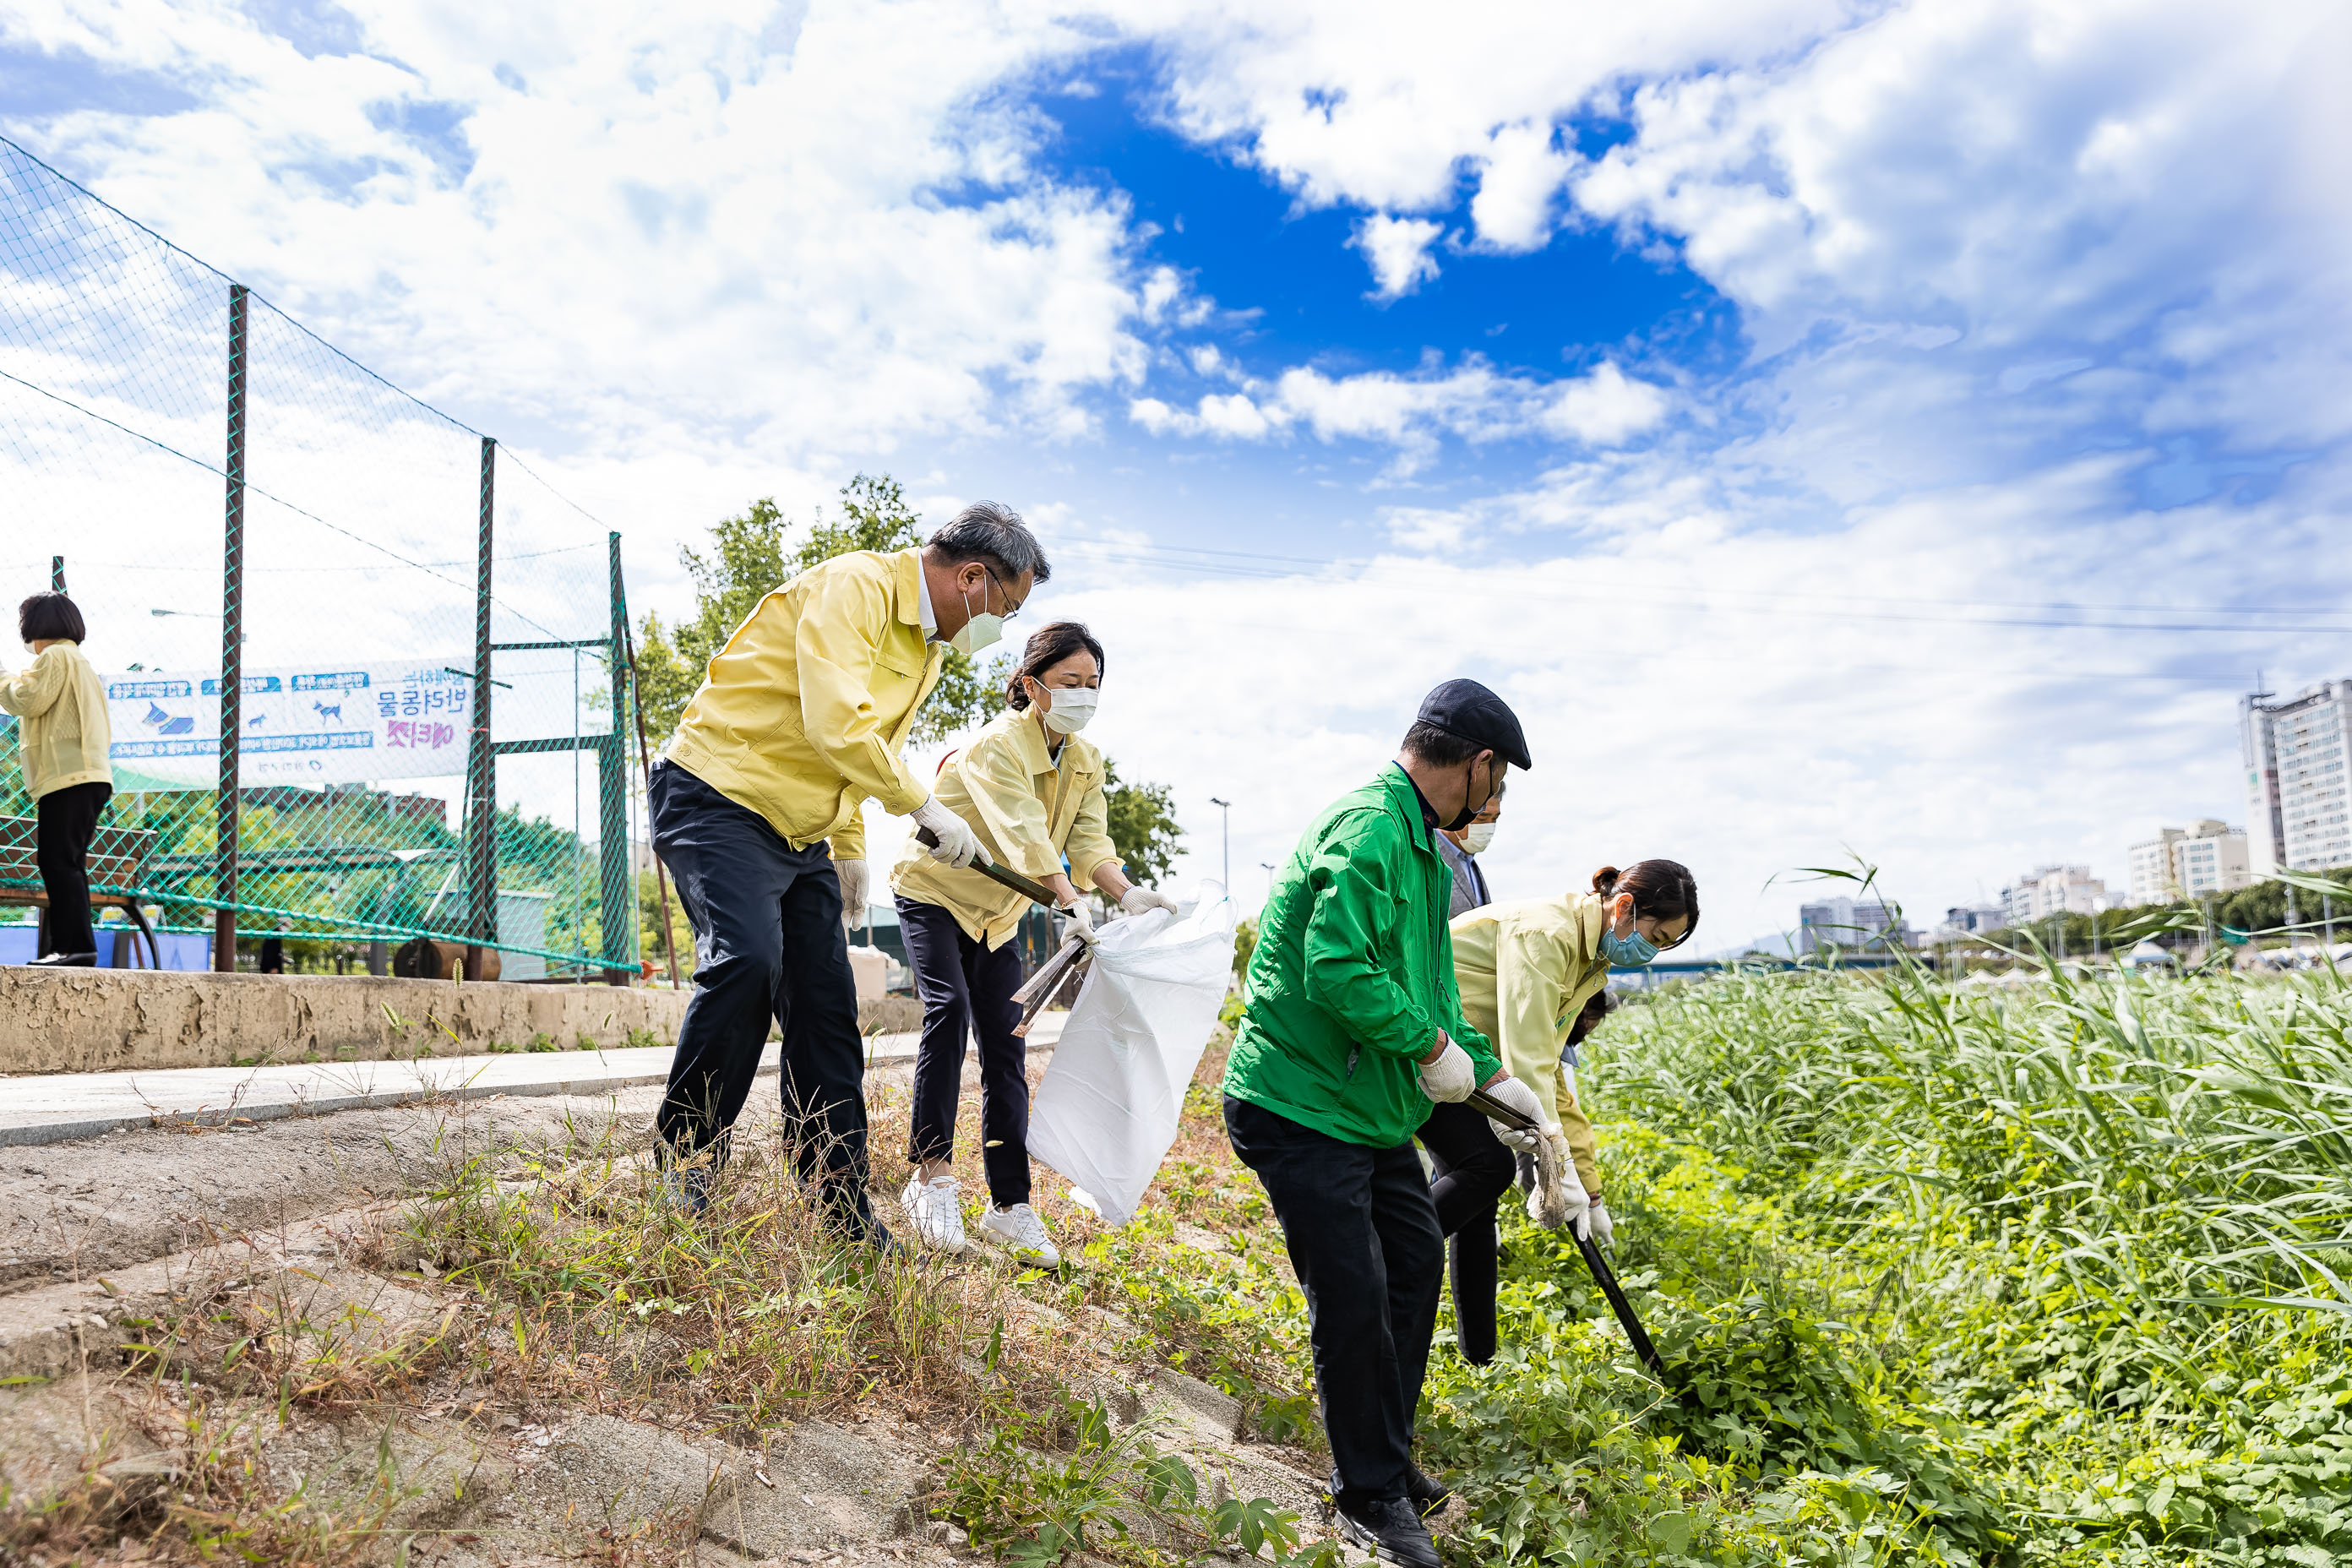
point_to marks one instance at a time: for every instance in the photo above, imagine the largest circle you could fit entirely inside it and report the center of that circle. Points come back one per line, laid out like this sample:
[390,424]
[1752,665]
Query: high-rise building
[2207,857]
[1849,923]
[2153,879]
[2048,890]
[2298,757]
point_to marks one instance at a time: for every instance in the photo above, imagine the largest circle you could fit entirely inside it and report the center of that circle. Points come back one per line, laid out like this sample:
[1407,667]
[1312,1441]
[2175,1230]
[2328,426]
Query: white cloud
[1473,403]
[1605,409]
[1737,697]
[1398,250]
[678,210]
[1520,187]
[1369,103]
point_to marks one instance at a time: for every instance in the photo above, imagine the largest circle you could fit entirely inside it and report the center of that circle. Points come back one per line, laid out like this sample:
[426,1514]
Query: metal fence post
[481,762]
[613,857]
[232,675]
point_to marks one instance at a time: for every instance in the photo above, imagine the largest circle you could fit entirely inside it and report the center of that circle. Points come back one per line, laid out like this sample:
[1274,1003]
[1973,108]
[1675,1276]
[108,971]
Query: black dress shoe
[1428,1496]
[1391,1530]
[66,961]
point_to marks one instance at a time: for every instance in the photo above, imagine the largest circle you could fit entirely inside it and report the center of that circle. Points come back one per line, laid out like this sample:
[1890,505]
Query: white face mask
[1478,835]
[982,630]
[1071,707]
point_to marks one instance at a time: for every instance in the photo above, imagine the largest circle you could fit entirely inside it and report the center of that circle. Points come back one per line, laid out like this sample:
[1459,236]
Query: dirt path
[325,1392]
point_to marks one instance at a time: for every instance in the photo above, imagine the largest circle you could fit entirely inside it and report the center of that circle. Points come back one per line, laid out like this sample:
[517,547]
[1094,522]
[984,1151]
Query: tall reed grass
[2098,1227]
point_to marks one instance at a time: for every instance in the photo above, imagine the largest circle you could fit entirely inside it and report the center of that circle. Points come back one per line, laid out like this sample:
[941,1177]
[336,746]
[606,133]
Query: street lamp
[1226,806]
[1268,867]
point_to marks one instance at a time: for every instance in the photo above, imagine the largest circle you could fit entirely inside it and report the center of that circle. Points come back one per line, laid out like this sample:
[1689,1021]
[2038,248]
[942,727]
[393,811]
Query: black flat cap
[1468,711]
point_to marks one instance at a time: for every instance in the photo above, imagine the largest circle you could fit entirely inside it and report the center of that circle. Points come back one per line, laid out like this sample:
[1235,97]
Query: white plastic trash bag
[1108,1109]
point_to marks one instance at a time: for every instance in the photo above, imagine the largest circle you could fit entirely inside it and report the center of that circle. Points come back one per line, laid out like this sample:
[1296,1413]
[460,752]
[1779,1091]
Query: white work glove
[854,875]
[1135,900]
[1450,1078]
[1082,922]
[958,845]
[1510,1092]
[1603,1232]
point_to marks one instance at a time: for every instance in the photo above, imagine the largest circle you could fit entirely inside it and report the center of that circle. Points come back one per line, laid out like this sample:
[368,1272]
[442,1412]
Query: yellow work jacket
[63,737]
[1526,970]
[1030,811]
[801,715]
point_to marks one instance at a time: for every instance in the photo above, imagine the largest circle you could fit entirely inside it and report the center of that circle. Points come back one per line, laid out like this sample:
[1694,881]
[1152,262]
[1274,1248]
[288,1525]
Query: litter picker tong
[1068,959]
[1548,1168]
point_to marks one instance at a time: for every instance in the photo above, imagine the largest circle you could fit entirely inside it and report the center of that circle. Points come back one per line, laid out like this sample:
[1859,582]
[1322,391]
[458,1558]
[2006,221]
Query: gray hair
[993,533]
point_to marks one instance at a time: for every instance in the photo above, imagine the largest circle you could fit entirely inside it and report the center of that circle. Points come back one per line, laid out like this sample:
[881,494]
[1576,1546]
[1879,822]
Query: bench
[117,859]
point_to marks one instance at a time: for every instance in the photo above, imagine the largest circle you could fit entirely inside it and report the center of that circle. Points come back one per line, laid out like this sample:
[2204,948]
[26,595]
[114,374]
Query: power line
[256,489]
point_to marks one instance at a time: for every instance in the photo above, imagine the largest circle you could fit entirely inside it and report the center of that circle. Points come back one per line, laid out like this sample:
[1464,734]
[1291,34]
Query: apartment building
[2298,757]
[2207,857]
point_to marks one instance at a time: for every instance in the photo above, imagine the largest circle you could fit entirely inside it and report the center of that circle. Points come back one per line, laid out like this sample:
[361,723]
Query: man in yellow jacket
[800,721]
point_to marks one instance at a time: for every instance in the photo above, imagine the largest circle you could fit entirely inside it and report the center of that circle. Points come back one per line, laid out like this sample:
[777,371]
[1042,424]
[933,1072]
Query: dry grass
[542,1288]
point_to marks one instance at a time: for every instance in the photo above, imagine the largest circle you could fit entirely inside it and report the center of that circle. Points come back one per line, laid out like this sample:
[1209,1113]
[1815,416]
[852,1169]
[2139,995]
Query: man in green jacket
[1353,1029]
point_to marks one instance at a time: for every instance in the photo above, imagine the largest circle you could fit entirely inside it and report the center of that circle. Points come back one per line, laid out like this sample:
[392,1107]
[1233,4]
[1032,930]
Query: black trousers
[968,990]
[1473,1171]
[767,942]
[1364,1242]
[64,821]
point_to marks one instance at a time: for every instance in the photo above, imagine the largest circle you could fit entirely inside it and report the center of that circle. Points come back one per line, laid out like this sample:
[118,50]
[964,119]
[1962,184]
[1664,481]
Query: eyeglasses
[1014,612]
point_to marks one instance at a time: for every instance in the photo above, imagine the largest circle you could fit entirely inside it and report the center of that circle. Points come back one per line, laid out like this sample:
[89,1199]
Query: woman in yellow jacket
[1032,792]
[1526,971]
[63,741]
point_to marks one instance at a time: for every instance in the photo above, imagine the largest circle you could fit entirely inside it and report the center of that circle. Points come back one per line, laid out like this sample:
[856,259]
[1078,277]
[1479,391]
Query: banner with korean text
[301,725]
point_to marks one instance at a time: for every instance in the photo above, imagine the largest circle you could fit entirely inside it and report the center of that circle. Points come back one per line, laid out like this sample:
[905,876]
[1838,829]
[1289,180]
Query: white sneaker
[936,1213]
[1020,1232]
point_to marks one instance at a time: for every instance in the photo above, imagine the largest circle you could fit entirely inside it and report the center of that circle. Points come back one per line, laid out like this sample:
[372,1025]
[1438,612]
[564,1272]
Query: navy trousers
[1473,1171]
[1363,1239]
[767,942]
[968,990]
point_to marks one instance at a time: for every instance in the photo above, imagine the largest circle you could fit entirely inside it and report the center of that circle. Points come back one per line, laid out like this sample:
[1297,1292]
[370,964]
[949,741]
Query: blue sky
[1899,429]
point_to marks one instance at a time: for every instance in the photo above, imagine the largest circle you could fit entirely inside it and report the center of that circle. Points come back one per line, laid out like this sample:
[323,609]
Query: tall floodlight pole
[1226,806]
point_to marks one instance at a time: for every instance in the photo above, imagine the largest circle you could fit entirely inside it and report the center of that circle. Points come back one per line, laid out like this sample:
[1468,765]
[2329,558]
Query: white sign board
[308,724]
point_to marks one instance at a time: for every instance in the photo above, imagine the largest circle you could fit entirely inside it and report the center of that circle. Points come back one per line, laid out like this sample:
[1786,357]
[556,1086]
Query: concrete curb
[66,1131]
[59,1108]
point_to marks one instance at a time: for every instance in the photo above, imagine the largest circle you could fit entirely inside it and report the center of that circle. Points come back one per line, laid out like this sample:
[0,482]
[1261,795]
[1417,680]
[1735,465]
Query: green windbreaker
[1354,975]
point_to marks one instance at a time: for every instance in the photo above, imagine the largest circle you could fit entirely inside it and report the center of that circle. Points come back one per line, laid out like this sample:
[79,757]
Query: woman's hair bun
[1604,880]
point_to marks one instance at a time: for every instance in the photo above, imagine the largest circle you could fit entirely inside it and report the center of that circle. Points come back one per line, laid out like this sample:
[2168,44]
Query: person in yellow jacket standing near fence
[1032,787]
[1527,969]
[64,742]
[755,807]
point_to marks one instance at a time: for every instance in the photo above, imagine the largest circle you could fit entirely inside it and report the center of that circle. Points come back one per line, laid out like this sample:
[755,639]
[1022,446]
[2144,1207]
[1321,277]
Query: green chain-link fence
[406,646]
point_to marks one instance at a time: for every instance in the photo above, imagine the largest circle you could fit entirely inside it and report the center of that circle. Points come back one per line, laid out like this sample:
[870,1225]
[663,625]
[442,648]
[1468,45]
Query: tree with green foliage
[750,557]
[1143,827]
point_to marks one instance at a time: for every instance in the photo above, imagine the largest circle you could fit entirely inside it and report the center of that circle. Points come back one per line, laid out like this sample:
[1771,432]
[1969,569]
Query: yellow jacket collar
[1029,735]
[907,585]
